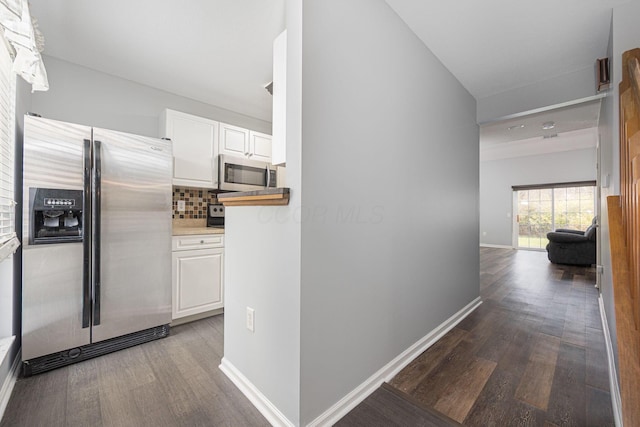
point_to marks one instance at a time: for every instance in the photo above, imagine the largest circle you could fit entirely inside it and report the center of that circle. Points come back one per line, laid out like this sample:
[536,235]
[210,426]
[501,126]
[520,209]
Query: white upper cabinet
[195,142]
[279,123]
[260,146]
[234,140]
[241,142]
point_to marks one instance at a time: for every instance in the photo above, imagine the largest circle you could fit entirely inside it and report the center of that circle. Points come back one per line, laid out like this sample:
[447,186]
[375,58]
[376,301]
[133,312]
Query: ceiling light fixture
[548,125]
[515,127]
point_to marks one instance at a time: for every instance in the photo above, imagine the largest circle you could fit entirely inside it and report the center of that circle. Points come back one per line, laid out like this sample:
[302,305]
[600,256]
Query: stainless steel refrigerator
[96,242]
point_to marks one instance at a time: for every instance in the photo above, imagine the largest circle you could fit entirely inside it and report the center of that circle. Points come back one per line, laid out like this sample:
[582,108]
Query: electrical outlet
[181,206]
[251,317]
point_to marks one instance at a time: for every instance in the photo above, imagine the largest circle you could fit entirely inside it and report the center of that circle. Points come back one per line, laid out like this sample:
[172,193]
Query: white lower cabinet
[198,276]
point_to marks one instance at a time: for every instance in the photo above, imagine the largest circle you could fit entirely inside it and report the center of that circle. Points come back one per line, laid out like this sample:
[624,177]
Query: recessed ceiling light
[548,125]
[515,127]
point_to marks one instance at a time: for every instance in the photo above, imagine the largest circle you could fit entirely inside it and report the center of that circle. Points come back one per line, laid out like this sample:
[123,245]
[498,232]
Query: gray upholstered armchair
[572,246]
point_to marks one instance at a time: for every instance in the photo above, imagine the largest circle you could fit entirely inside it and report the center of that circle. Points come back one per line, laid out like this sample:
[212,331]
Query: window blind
[554,185]
[7,148]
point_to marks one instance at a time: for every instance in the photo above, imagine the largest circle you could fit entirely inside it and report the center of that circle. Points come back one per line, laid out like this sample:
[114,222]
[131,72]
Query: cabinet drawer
[199,241]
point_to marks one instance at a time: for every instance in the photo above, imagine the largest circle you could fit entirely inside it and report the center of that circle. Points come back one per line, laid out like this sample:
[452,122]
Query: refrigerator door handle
[86,237]
[97,152]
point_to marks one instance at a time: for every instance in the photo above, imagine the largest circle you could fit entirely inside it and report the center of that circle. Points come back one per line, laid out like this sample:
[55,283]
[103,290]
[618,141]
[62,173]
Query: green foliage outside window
[543,210]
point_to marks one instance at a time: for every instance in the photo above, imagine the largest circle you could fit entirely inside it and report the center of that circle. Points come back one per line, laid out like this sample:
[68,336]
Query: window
[541,209]
[7,148]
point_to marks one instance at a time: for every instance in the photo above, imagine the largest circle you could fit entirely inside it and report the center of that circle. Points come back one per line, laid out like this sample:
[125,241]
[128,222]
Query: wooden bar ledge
[270,197]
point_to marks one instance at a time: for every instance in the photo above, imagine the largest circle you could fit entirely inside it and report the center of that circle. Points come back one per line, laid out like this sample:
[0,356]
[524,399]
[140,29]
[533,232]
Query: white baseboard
[387,372]
[488,245]
[357,395]
[9,382]
[259,400]
[616,402]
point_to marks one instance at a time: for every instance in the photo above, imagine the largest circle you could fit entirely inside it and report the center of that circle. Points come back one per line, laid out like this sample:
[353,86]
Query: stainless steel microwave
[240,174]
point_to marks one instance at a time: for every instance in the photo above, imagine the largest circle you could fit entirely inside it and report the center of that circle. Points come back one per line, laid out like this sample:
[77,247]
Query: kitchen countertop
[184,231]
[186,227]
[267,197]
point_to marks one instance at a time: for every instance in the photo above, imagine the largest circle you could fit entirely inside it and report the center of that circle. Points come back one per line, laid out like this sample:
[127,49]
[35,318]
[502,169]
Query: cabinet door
[279,118]
[197,281]
[260,146]
[194,144]
[234,140]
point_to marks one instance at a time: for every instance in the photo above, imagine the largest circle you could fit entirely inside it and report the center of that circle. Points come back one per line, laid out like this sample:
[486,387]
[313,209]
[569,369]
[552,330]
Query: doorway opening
[539,209]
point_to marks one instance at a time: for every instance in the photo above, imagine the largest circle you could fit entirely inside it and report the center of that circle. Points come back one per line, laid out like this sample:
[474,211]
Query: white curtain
[21,31]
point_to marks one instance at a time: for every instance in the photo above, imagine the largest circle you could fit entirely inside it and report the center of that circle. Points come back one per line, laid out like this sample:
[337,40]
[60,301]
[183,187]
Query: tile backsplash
[195,200]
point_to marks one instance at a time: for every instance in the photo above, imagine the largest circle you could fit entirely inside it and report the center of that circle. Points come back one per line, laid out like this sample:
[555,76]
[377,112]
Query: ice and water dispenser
[56,215]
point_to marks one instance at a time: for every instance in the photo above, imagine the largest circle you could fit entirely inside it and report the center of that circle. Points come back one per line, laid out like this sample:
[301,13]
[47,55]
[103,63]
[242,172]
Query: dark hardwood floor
[387,407]
[174,381]
[532,354]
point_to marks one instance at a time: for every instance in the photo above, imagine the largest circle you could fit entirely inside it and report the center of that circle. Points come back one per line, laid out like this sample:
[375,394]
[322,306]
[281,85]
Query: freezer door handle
[97,152]
[86,237]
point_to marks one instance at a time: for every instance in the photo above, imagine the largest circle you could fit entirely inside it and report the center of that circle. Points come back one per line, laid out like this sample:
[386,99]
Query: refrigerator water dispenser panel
[56,215]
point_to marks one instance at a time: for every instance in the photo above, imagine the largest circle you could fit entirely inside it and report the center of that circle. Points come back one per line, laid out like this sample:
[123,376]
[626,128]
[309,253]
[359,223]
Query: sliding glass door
[540,210]
[574,207]
[535,213]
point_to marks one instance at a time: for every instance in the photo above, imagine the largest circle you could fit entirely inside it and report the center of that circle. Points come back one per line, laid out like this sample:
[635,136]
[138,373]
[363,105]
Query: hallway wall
[497,177]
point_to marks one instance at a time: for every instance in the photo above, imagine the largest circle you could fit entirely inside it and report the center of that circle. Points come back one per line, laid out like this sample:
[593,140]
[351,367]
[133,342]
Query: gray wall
[367,257]
[390,181]
[568,87]
[89,97]
[608,146]
[625,35]
[497,177]
[262,266]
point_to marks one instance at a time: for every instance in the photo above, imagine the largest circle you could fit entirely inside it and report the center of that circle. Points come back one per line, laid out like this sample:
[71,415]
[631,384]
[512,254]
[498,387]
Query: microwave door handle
[268,176]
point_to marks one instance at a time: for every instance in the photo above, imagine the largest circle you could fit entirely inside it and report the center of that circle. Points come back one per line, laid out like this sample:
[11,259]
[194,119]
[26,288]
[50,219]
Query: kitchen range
[215,215]
[97,239]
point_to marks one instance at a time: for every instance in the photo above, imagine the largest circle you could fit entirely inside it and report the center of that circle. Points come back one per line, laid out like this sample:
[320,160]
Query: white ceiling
[215,51]
[219,51]
[496,45]
[565,119]
[493,46]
